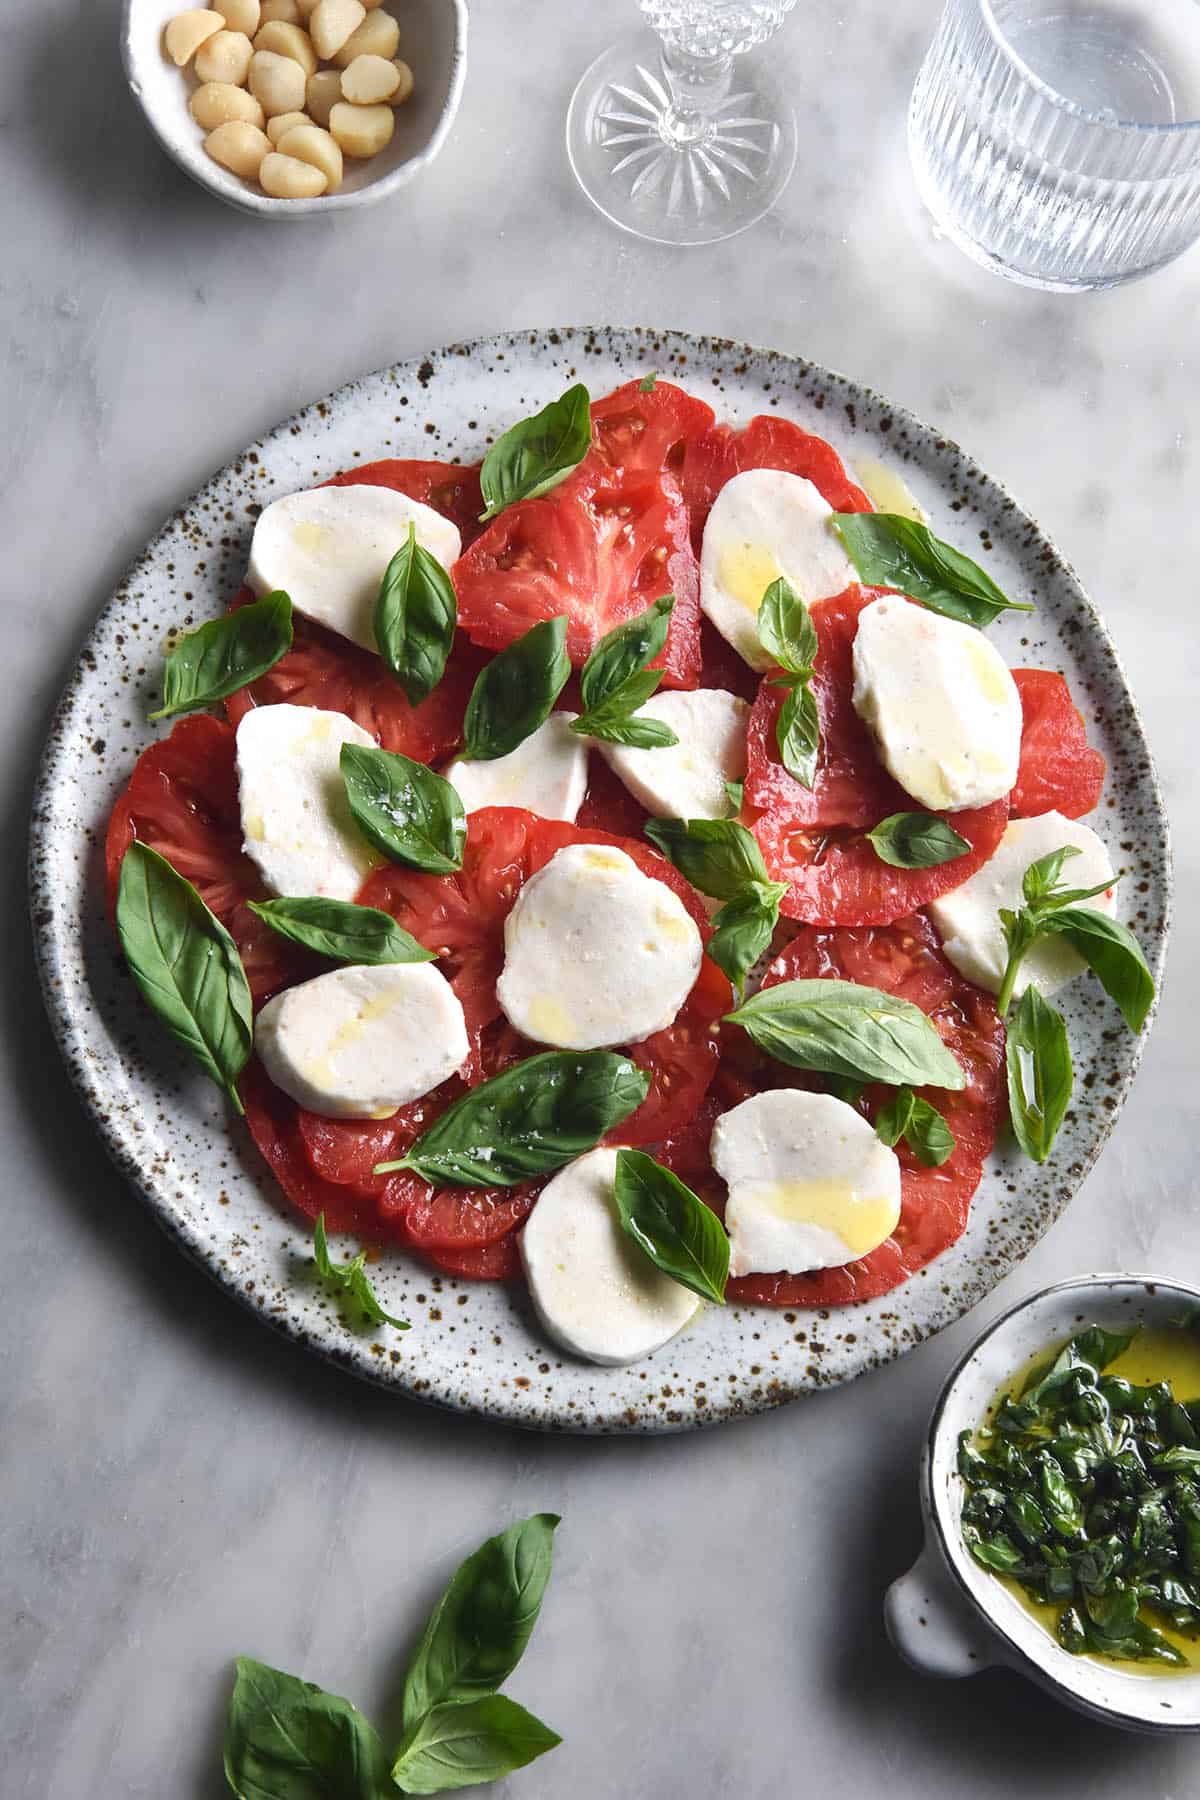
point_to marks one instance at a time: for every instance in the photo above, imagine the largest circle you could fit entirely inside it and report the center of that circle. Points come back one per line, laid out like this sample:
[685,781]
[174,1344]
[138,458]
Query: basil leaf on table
[916,840]
[351,1279]
[515,693]
[226,654]
[341,930]
[911,1117]
[186,965]
[1113,955]
[1040,1075]
[718,856]
[287,1739]
[798,734]
[744,927]
[891,551]
[416,614]
[528,1121]
[404,809]
[785,629]
[537,453]
[467,1744]
[681,1236]
[616,679]
[841,1028]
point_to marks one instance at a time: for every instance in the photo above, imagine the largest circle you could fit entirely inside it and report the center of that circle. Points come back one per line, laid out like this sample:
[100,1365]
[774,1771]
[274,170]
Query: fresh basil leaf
[891,551]
[286,1739]
[744,927]
[416,614]
[516,691]
[798,733]
[615,720]
[843,1088]
[1037,1042]
[718,856]
[681,1236]
[616,680]
[226,654]
[528,1121]
[537,453]
[916,840]
[465,1745]
[351,1279]
[841,1028]
[404,809]
[186,965]
[341,930]
[1042,876]
[1113,955]
[785,630]
[735,794]
[648,383]
[911,1117]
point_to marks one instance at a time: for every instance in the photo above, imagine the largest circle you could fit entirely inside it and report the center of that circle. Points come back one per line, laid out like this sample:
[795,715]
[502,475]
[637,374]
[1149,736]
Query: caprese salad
[617,865]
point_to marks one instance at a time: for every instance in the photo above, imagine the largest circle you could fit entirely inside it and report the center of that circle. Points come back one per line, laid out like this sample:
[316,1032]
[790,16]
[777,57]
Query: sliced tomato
[450,488]
[499,1261]
[1059,769]
[640,432]
[274,1122]
[722,667]
[608,804]
[767,442]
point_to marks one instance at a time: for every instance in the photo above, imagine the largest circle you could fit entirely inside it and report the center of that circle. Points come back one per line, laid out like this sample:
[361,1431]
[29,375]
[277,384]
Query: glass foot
[678,181]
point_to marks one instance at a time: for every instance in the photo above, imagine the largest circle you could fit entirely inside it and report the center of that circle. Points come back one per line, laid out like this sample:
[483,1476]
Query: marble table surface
[178,1486]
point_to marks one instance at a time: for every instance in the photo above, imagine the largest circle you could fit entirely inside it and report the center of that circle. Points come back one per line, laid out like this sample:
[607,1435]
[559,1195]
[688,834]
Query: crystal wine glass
[673,142]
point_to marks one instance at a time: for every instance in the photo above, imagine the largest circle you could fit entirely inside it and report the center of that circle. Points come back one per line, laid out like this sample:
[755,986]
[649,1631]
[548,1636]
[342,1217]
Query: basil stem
[515,693]
[226,654]
[416,614]
[537,453]
[891,551]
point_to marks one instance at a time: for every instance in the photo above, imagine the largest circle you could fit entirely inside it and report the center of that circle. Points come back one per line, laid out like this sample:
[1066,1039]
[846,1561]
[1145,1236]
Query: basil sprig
[186,965]
[528,1121]
[404,809]
[226,654]
[286,1739]
[416,614]
[463,1746]
[681,1236]
[916,840]
[911,1117]
[516,692]
[840,1028]
[616,681]
[722,859]
[537,453]
[350,1279]
[891,551]
[341,930]
[787,633]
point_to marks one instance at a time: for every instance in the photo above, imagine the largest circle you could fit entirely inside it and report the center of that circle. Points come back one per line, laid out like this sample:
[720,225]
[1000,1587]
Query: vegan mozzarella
[687,780]
[359,1042]
[296,820]
[810,1184]
[940,702]
[764,524]
[595,952]
[595,1291]
[547,774]
[969,918]
[328,548]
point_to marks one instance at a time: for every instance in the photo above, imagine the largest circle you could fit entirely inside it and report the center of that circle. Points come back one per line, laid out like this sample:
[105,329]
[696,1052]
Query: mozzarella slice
[940,702]
[296,820]
[547,774]
[359,1042]
[595,952]
[810,1184]
[328,548]
[969,918]
[687,779]
[595,1291]
[764,524]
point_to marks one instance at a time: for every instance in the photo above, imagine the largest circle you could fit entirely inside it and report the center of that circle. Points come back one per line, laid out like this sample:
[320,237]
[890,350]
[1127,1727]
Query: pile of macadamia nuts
[289,88]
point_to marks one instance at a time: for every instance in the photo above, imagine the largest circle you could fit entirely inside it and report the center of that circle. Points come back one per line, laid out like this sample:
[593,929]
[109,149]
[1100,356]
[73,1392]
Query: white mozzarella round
[595,1291]
[940,702]
[547,774]
[328,548]
[687,780]
[359,1042]
[595,952]
[810,1184]
[764,524]
[969,918]
[296,821]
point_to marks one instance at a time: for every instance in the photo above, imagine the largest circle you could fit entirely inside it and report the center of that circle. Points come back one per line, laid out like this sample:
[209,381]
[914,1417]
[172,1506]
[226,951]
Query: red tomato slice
[490,1262]
[639,433]
[1059,770]
[767,442]
[608,804]
[450,488]
[274,1123]
[722,667]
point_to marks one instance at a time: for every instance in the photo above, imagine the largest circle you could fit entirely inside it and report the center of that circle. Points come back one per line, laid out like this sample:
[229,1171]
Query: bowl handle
[931,1625]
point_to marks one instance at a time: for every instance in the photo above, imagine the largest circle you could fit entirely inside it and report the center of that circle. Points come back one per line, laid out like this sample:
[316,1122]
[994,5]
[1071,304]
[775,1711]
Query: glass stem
[698,86]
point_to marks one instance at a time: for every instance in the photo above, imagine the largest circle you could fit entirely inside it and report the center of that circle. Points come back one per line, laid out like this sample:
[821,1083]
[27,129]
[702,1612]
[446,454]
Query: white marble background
[178,1486]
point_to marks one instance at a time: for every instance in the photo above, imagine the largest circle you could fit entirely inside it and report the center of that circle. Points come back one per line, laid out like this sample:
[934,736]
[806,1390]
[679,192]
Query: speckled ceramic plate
[474,1347]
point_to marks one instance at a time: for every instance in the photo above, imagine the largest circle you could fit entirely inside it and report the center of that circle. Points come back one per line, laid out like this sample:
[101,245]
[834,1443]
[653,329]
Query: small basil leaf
[341,930]
[186,965]
[843,1088]
[415,618]
[744,927]
[216,660]
[785,630]
[916,840]
[798,734]
[286,1739]
[718,856]
[626,651]
[647,384]
[735,794]
[515,693]
[467,1744]
[1038,1053]
[911,1117]
[537,453]
[614,722]
[1113,955]
[1042,876]
[351,1279]
[841,1028]
[404,809]
[681,1236]
[891,551]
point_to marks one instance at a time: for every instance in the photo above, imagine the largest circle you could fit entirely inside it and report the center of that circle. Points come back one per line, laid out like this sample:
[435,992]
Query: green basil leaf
[916,840]
[647,384]
[217,659]
[735,793]
[534,455]
[891,551]
[840,1028]
[286,1739]
[1113,955]
[798,734]
[626,651]
[404,809]
[341,930]
[186,965]
[416,614]
[612,723]
[681,1236]
[516,691]
[351,1279]
[1037,1034]
[528,1121]
[718,856]
[1042,876]
[911,1117]
[785,630]
[744,927]
[843,1088]
[458,1746]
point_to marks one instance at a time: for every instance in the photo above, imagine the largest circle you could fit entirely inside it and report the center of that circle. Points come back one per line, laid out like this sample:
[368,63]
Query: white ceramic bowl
[433,42]
[948,1616]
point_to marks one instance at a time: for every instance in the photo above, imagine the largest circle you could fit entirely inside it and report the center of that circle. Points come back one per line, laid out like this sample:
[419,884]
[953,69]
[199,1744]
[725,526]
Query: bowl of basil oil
[1060,1485]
